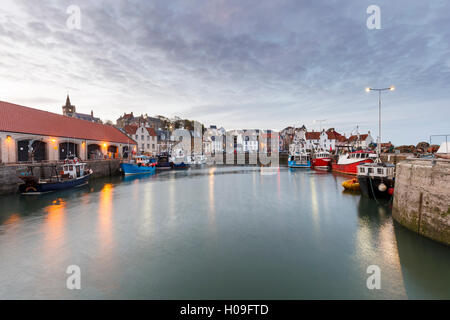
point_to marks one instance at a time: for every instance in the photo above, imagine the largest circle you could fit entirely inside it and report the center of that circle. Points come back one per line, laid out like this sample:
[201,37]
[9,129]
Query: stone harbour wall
[9,180]
[422,197]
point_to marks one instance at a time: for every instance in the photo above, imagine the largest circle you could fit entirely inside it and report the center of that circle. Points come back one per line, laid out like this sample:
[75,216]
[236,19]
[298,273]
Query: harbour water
[214,233]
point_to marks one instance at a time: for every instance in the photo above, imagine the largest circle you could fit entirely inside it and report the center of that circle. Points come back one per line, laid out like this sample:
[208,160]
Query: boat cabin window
[370,170]
[70,168]
[65,168]
[380,171]
[361,170]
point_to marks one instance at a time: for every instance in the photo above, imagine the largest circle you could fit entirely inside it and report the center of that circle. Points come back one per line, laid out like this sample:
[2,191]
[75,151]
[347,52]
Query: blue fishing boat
[298,154]
[299,161]
[139,165]
[74,174]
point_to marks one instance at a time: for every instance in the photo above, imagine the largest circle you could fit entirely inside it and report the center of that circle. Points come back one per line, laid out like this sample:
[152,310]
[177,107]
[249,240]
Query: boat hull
[349,168]
[321,163]
[131,168]
[369,187]
[40,188]
[296,164]
[181,166]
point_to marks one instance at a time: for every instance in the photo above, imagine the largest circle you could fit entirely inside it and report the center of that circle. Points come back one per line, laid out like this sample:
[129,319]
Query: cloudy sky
[235,63]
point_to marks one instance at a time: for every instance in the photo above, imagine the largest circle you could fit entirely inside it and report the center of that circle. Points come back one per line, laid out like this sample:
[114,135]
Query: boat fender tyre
[28,189]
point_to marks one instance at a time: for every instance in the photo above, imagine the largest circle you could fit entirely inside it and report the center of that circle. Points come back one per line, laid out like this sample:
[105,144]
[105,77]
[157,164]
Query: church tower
[68,109]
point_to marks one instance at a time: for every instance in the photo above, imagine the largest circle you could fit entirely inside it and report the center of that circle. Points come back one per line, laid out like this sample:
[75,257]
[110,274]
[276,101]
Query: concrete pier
[422,197]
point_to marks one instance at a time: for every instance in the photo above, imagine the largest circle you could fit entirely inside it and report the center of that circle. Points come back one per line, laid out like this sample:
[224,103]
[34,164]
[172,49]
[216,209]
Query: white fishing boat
[199,159]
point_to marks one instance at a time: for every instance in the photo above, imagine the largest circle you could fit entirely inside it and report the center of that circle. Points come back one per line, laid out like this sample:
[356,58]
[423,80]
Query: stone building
[145,137]
[69,110]
[360,141]
[128,119]
[28,134]
[326,140]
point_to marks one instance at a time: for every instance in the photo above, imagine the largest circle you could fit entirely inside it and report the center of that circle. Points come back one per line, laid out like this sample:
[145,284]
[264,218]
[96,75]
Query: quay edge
[422,197]
[9,181]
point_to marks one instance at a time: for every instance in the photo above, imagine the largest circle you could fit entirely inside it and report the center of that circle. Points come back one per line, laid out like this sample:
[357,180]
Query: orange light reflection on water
[54,231]
[104,218]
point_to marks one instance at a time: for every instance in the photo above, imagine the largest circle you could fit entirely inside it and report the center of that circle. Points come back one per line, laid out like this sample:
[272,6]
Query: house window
[148,146]
[142,146]
[137,137]
[148,138]
[142,137]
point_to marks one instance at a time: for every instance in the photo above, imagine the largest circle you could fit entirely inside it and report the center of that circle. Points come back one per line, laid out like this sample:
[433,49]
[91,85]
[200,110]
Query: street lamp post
[391,88]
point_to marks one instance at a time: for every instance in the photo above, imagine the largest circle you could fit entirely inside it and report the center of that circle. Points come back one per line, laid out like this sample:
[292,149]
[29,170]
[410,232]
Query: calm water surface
[213,233]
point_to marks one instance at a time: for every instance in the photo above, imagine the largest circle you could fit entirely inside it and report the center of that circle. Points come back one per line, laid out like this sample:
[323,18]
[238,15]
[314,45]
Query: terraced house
[145,137]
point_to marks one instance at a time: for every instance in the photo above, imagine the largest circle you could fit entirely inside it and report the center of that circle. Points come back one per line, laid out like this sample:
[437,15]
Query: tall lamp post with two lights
[391,88]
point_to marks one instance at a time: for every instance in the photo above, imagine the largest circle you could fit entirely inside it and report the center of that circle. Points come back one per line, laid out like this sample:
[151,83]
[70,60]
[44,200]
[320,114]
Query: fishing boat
[73,174]
[347,163]
[298,155]
[138,165]
[300,160]
[376,180]
[163,162]
[199,159]
[180,160]
[321,160]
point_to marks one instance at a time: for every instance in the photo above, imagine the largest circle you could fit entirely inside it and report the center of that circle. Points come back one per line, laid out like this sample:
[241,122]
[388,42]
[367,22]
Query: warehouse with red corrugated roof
[28,134]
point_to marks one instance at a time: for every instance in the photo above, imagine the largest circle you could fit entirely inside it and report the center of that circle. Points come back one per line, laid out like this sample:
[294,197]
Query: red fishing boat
[322,160]
[347,163]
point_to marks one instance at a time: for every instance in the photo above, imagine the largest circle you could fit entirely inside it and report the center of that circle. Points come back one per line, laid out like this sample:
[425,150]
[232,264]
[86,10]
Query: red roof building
[146,137]
[24,131]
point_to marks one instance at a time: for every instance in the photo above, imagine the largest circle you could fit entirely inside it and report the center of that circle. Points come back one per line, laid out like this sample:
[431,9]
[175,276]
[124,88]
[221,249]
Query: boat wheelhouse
[376,180]
[348,162]
[300,160]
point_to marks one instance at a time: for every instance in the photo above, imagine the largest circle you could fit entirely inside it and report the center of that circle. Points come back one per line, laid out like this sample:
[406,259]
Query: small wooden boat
[74,174]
